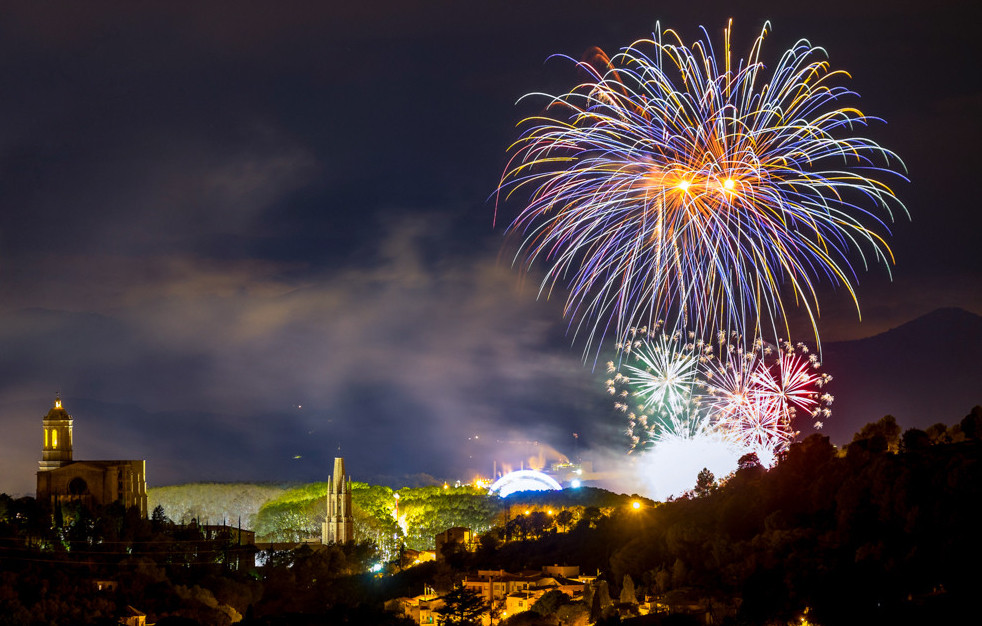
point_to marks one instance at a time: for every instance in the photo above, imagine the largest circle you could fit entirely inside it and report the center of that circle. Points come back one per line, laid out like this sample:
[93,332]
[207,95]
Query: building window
[45,437]
[54,438]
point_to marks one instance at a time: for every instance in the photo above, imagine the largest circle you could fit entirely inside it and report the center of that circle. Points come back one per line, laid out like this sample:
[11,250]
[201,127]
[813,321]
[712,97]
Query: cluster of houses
[506,593]
[515,593]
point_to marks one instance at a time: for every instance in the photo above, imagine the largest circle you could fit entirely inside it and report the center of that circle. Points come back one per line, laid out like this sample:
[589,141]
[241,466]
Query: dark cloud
[214,214]
[400,353]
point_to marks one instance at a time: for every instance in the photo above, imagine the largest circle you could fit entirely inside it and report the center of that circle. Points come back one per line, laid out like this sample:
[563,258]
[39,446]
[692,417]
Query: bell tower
[339,527]
[57,426]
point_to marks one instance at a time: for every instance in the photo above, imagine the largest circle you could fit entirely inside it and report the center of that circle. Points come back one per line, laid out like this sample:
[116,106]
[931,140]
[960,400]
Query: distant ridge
[952,318]
[925,371]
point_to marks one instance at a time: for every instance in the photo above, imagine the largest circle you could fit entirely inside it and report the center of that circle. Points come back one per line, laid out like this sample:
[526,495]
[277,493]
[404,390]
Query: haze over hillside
[926,371]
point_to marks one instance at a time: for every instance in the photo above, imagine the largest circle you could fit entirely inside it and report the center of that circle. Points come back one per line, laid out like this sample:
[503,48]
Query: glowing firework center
[524,480]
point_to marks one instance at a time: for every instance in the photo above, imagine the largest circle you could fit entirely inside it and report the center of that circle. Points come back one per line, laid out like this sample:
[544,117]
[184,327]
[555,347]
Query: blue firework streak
[675,185]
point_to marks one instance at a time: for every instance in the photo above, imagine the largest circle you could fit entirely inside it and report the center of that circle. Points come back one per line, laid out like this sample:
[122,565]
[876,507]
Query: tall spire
[339,476]
[339,524]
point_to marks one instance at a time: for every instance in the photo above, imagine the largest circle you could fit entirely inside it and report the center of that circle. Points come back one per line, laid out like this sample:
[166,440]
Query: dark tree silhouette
[972,424]
[705,483]
[628,594]
[463,607]
[882,435]
[914,439]
[564,518]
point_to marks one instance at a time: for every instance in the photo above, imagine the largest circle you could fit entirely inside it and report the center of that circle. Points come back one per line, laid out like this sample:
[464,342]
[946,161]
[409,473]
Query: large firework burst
[675,184]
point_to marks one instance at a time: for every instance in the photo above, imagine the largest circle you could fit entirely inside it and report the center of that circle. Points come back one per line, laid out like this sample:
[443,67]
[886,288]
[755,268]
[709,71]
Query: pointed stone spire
[339,524]
[338,478]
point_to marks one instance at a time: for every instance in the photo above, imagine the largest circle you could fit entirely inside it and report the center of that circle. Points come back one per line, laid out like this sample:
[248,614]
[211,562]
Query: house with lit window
[421,609]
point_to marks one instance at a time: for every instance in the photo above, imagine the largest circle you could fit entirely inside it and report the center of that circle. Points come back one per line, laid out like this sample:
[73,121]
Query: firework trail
[678,184]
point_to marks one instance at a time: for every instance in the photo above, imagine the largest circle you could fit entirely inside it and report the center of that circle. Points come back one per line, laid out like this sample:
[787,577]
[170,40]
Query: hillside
[213,503]
[295,513]
[922,373]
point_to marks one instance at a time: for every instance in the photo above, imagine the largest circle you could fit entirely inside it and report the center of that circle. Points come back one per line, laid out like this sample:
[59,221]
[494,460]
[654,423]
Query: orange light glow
[729,183]
[635,505]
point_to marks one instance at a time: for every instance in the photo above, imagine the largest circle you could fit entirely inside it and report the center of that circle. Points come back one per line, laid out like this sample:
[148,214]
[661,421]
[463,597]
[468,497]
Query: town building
[458,535]
[133,617]
[339,525]
[61,479]
[421,609]
[513,593]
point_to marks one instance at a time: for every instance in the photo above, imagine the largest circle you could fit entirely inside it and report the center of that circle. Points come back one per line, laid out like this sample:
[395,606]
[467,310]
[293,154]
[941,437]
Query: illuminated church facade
[61,479]
[339,526]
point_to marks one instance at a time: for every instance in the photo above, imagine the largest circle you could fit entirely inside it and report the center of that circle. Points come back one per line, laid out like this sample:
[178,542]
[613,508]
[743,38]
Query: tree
[159,518]
[882,435]
[573,614]
[601,602]
[628,595]
[538,522]
[550,602]
[588,597]
[914,439]
[749,461]
[972,424]
[590,516]
[705,483]
[939,433]
[527,618]
[462,607]
[564,518]
[490,542]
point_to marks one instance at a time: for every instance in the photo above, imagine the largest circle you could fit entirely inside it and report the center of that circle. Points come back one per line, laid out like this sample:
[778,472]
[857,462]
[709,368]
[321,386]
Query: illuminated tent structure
[524,480]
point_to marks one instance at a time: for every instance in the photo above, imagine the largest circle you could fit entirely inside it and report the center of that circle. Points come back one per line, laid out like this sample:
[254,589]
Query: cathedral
[339,527]
[63,479]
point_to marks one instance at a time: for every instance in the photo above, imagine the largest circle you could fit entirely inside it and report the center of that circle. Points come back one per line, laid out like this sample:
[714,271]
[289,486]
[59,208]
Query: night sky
[234,237]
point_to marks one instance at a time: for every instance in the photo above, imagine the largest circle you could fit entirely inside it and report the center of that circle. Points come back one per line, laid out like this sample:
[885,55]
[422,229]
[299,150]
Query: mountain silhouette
[926,371]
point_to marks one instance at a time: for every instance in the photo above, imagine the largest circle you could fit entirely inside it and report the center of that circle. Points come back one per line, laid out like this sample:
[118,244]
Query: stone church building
[339,526]
[63,479]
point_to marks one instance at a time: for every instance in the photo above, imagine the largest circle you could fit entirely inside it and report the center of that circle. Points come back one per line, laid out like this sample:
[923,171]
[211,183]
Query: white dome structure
[524,480]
